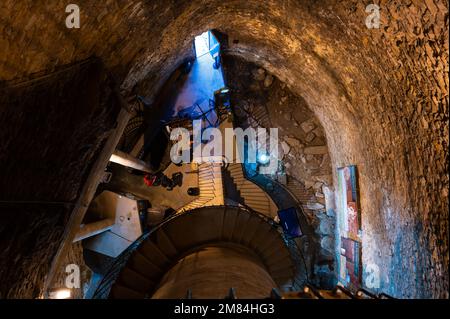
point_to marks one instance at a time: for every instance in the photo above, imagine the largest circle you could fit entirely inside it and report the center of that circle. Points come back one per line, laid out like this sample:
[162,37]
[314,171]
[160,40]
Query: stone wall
[380,94]
[52,129]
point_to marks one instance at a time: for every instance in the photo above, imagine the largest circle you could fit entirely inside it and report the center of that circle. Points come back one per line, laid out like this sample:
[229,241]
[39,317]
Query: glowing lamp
[263,159]
[60,294]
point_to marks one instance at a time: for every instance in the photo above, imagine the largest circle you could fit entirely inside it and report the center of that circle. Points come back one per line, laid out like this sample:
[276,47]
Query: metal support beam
[92,229]
[130,161]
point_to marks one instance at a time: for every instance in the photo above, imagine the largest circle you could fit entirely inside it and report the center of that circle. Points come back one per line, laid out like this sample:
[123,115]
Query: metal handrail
[299,262]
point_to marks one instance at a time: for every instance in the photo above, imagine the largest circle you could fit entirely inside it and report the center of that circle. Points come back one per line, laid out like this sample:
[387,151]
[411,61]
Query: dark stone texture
[52,129]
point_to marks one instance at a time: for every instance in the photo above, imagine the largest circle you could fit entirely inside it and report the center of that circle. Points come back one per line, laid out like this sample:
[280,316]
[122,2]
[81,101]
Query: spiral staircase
[138,271]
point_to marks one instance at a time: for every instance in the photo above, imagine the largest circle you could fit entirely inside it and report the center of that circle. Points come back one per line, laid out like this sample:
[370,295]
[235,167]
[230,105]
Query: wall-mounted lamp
[62,293]
[263,159]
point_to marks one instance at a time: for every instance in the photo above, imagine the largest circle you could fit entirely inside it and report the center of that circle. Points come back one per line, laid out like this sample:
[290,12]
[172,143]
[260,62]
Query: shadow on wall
[52,129]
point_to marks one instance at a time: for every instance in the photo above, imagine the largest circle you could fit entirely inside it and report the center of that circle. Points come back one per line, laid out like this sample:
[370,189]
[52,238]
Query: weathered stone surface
[286,148]
[307,126]
[268,80]
[315,206]
[327,243]
[259,74]
[310,137]
[53,128]
[316,150]
[292,141]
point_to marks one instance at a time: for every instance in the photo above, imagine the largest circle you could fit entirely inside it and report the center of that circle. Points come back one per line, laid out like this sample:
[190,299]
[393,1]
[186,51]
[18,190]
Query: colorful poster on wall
[349,225]
[351,251]
[350,219]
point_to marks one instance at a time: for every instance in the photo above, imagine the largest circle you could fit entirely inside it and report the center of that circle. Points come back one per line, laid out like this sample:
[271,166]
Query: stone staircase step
[266,247]
[135,281]
[222,224]
[229,223]
[277,260]
[260,236]
[151,251]
[143,266]
[165,244]
[240,226]
[250,230]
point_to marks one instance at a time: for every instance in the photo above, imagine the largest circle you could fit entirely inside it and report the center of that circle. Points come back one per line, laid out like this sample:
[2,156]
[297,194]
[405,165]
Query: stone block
[316,150]
[310,137]
[268,80]
[259,74]
[308,126]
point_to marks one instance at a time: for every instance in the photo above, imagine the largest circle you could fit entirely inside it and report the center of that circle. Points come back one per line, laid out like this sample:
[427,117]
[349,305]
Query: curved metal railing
[120,261]
[103,289]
